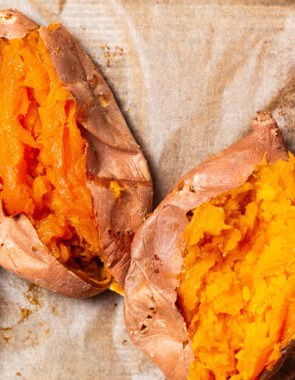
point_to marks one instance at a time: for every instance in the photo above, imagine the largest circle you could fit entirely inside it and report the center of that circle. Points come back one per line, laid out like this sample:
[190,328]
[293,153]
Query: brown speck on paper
[54,310]
[32,295]
[32,338]
[25,313]
[6,338]
[6,328]
[4,333]
[113,54]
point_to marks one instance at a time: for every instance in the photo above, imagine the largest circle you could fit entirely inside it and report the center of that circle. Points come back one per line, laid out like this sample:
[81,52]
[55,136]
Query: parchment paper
[189,76]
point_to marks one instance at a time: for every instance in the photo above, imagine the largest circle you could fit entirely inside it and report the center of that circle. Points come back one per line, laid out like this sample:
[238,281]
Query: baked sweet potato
[210,292]
[74,185]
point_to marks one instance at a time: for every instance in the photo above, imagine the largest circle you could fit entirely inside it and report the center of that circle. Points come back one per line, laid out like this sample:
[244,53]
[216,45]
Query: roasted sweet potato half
[74,185]
[210,293]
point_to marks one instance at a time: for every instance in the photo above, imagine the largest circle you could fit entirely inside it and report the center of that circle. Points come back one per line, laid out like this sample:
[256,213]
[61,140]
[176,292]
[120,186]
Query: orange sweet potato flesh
[74,184]
[237,287]
[182,286]
[43,160]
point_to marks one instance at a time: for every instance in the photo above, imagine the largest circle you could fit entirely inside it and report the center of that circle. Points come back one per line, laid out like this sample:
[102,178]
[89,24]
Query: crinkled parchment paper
[189,76]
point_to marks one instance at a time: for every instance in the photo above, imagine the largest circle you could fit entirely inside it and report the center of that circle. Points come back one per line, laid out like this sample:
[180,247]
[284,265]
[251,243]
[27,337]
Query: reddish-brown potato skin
[152,319]
[112,155]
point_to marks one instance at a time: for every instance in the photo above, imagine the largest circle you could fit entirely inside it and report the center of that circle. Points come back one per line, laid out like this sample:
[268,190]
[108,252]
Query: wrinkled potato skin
[152,319]
[112,155]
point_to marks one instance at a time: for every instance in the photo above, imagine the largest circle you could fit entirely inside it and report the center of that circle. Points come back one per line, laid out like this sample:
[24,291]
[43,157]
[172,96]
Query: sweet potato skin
[284,369]
[152,319]
[14,24]
[17,235]
[112,155]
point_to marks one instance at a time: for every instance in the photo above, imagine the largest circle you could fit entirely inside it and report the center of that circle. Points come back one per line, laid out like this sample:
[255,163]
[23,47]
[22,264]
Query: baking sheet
[189,76]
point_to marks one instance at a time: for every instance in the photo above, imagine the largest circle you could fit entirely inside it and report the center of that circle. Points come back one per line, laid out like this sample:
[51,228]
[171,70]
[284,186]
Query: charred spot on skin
[157,258]
[143,328]
[185,343]
[7,18]
[189,215]
[17,217]
[194,188]
[152,309]
[93,82]
[34,248]
[156,271]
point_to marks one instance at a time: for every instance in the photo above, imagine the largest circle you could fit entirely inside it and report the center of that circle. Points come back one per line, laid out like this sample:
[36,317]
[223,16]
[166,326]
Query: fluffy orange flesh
[43,159]
[237,289]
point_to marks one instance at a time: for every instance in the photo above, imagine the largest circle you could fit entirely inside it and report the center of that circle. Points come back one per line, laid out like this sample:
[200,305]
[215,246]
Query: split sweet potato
[74,185]
[210,293]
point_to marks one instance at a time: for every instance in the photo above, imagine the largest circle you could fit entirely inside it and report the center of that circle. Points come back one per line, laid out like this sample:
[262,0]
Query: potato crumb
[117,189]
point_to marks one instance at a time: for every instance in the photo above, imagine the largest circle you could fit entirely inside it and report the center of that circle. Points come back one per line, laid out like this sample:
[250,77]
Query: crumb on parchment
[25,313]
